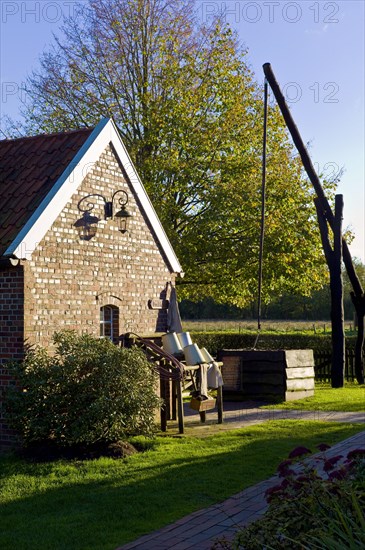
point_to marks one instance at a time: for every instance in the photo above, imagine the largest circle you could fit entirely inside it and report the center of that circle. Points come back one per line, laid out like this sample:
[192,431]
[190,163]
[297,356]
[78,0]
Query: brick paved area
[240,415]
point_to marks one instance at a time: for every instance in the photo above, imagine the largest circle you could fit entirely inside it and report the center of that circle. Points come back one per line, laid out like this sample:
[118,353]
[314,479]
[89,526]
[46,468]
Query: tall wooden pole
[263,206]
[357,296]
[337,311]
[334,259]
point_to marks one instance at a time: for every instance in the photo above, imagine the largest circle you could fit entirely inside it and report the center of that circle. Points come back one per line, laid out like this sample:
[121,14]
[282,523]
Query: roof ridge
[61,132]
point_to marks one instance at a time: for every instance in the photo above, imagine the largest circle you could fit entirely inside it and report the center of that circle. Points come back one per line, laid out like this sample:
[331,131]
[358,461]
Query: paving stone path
[201,529]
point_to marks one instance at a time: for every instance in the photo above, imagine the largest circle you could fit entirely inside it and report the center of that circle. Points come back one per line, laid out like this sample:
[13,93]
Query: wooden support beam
[334,258]
[220,404]
[163,411]
[337,309]
[174,400]
[309,168]
[180,407]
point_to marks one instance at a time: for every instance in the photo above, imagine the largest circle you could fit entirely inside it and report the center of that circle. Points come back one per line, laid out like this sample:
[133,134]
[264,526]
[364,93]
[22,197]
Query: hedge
[215,341]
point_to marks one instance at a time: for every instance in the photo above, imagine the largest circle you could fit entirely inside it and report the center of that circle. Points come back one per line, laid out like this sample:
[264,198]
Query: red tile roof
[29,167]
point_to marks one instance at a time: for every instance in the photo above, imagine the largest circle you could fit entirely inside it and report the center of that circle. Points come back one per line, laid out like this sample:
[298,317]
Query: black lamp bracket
[108,205]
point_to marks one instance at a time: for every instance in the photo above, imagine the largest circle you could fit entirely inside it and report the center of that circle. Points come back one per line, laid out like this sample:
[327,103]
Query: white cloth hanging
[173,313]
[203,380]
[214,376]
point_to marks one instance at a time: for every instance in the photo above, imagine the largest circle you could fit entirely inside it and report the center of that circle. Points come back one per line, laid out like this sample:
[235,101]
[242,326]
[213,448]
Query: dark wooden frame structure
[358,295]
[172,373]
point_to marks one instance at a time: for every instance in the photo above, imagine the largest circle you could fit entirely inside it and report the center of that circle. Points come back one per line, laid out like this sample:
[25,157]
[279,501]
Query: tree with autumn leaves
[190,113]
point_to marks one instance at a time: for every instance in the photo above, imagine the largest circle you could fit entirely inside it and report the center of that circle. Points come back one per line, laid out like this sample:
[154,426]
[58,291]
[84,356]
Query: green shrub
[89,390]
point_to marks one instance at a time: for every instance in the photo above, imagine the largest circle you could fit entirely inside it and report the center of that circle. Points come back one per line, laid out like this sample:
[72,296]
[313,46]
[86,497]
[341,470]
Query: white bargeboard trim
[67,184]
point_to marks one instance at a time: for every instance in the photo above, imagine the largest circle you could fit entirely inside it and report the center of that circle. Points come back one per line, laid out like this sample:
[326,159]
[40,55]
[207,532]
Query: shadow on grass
[102,504]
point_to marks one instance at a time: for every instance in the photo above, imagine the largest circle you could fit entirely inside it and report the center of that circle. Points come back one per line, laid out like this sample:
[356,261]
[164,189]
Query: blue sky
[316,49]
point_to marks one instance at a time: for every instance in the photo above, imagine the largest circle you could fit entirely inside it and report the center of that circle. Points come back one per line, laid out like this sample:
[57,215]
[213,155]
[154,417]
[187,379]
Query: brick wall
[11,335]
[68,280]
[232,372]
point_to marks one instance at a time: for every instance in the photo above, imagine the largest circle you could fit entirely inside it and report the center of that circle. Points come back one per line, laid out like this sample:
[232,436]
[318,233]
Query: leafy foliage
[283,306]
[312,507]
[88,391]
[190,113]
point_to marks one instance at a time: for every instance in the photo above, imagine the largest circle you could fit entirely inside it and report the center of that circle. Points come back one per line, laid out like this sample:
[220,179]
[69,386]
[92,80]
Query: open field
[313,327]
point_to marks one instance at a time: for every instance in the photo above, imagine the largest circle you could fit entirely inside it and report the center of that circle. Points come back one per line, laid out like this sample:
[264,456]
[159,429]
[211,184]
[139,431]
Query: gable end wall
[68,280]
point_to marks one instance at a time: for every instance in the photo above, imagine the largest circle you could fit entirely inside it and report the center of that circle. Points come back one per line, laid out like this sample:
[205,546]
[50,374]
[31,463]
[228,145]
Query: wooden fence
[322,365]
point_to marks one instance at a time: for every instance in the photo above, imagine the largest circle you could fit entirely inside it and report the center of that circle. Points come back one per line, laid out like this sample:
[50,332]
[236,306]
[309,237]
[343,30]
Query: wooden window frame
[109,323]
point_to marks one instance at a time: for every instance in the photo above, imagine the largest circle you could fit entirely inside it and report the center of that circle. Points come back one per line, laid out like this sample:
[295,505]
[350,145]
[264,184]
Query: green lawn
[350,398]
[100,504]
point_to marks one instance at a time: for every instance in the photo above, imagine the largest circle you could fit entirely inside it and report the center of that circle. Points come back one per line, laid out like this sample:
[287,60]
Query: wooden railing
[172,373]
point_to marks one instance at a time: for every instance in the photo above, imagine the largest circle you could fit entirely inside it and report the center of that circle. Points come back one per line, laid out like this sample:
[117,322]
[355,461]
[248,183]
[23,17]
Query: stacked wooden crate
[271,375]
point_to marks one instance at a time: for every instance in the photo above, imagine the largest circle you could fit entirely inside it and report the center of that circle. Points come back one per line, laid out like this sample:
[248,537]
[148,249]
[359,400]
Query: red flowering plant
[319,500]
[298,475]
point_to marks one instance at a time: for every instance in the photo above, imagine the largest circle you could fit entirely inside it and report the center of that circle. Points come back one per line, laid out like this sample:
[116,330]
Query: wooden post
[337,310]
[180,406]
[163,411]
[220,404]
[334,258]
[173,400]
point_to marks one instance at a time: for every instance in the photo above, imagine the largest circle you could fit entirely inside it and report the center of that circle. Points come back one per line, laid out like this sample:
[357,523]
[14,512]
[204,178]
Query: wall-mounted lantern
[87,224]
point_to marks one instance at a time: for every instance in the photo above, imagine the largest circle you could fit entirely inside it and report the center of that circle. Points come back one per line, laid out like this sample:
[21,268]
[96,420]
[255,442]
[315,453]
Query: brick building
[64,261]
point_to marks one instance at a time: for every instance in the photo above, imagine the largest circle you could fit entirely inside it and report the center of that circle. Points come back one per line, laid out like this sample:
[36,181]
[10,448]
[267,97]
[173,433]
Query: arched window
[109,323]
